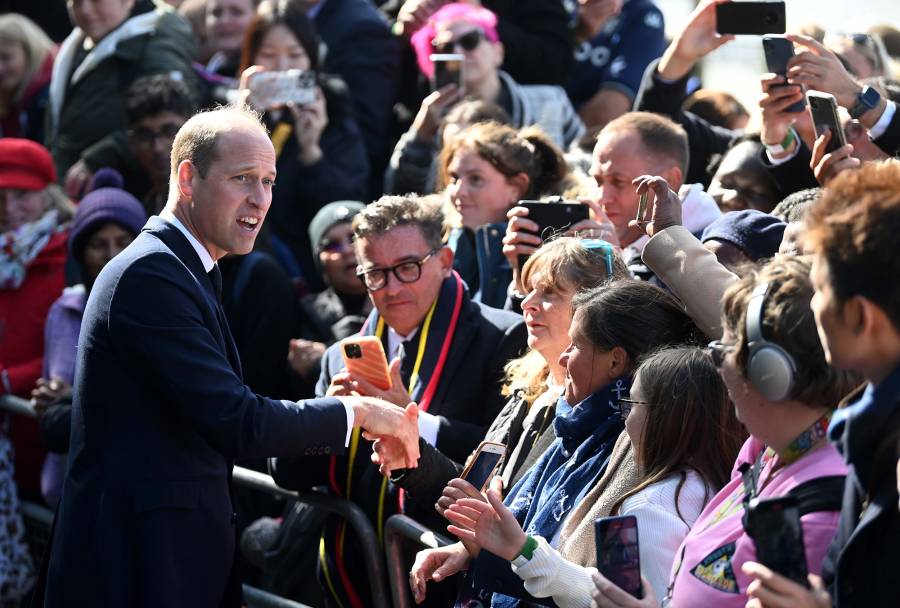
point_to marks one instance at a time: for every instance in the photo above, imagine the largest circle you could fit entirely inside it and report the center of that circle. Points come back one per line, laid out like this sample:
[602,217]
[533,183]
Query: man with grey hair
[160,410]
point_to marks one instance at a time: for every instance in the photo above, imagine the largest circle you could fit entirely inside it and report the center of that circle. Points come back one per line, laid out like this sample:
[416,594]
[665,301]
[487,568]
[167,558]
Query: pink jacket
[707,568]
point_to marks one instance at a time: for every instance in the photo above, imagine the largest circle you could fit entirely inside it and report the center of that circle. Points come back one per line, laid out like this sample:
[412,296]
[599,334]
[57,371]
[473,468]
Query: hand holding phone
[552,219]
[484,464]
[824,113]
[448,69]
[273,89]
[364,358]
[618,552]
[750,18]
[774,526]
[779,51]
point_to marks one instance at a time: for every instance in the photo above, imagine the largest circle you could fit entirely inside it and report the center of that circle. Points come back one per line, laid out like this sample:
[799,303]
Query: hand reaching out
[490,524]
[49,392]
[380,419]
[436,565]
[697,39]
[457,489]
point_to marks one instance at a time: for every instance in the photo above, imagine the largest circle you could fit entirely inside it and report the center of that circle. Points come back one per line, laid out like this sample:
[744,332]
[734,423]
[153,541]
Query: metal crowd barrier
[396,529]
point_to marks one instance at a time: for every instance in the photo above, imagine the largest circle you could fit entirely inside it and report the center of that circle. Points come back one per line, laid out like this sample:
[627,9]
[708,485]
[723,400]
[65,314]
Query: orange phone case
[364,358]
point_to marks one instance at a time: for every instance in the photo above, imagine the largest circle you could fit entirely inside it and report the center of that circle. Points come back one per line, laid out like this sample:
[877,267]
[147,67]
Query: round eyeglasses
[406,272]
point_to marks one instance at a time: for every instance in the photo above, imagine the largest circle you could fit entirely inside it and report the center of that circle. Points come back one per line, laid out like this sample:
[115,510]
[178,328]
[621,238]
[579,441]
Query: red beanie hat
[25,165]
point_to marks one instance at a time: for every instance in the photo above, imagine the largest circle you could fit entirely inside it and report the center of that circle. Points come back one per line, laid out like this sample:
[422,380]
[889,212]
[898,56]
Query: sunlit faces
[637,417]
[338,259]
[482,62]
[480,193]
[227,206]
[547,310]
[619,158]
[280,50]
[226,22]
[587,368]
[743,182]
[18,207]
[13,64]
[151,140]
[97,18]
[404,305]
[106,243]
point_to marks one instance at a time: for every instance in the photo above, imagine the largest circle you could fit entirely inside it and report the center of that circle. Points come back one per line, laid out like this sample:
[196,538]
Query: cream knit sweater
[660,533]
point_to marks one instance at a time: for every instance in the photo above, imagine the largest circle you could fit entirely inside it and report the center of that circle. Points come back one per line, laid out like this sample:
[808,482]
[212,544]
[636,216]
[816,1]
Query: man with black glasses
[447,353]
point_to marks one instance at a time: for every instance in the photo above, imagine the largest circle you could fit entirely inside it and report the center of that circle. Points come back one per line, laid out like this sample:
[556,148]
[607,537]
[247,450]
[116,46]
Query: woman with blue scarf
[613,327]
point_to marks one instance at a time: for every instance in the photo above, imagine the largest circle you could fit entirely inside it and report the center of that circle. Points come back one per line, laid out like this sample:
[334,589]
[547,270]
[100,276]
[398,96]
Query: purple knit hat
[105,202]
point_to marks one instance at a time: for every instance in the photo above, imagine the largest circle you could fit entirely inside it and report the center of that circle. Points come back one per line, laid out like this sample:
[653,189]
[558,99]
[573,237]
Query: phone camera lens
[353,351]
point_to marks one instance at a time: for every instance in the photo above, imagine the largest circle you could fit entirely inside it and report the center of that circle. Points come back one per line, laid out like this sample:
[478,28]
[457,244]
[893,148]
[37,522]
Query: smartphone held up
[448,69]
[482,467]
[823,110]
[618,553]
[275,89]
[779,51]
[750,18]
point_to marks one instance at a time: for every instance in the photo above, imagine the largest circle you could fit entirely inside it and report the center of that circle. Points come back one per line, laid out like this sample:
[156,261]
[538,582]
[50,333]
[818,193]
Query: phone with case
[823,110]
[484,464]
[552,218]
[448,69]
[750,18]
[778,51]
[364,358]
[273,89]
[618,552]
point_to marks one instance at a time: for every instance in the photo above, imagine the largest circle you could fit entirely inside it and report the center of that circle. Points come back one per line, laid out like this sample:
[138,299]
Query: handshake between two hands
[387,417]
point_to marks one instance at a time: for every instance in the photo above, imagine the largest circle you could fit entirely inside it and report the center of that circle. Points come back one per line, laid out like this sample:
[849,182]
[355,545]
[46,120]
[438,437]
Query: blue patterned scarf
[568,469]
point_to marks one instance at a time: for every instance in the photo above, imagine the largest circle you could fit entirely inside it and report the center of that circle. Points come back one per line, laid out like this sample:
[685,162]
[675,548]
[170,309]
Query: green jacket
[86,117]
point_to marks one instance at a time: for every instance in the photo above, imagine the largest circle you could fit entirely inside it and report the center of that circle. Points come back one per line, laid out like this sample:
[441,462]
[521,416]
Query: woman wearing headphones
[784,392]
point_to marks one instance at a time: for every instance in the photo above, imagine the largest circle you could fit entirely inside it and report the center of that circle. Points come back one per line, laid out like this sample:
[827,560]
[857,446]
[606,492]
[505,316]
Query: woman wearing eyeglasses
[684,436]
[613,327]
[783,392]
[472,31]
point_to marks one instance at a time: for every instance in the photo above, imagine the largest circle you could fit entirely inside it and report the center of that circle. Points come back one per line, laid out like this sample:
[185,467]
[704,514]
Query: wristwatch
[784,146]
[526,553]
[866,100]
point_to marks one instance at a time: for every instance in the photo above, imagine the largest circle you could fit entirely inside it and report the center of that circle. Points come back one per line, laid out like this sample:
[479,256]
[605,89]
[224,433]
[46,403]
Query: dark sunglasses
[718,350]
[468,41]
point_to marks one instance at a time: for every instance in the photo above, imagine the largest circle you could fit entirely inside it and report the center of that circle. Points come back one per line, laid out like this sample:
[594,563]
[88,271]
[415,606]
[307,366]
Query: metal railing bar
[397,528]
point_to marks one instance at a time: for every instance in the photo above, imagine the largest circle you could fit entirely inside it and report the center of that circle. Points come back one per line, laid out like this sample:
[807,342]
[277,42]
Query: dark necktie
[215,276]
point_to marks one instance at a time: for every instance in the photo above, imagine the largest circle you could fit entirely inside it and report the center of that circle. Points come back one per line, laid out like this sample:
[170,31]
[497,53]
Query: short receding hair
[391,212]
[659,136]
[196,140]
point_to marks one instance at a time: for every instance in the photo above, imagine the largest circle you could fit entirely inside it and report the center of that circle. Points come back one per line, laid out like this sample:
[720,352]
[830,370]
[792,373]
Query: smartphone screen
[779,51]
[618,555]
[750,18]
[824,114]
[481,470]
[447,70]
[778,535]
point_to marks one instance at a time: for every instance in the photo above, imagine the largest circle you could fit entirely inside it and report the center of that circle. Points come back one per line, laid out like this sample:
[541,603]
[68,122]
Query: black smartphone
[618,555]
[553,218]
[448,69]
[481,468]
[824,113]
[779,51]
[750,18]
[774,525]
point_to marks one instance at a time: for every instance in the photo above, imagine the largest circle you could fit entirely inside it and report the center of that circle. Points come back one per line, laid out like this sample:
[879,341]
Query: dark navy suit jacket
[160,413]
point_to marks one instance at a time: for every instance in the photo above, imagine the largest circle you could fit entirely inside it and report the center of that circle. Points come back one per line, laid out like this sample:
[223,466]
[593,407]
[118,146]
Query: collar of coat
[135,26]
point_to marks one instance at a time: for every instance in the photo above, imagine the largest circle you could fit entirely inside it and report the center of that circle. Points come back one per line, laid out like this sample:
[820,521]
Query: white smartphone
[483,466]
[272,89]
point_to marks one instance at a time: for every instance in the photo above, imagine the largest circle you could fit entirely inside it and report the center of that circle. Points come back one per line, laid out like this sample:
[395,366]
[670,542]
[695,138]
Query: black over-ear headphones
[770,368]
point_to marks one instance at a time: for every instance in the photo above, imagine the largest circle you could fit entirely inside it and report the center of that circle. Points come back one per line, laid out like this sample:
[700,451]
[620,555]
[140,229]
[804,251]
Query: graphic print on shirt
[715,570]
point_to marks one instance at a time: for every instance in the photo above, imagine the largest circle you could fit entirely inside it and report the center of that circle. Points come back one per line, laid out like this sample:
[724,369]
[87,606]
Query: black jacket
[160,413]
[863,560]
[704,140]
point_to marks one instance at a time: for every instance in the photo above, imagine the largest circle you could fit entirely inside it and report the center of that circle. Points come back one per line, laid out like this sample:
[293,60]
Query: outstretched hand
[436,565]
[663,205]
[491,525]
[380,419]
[696,39]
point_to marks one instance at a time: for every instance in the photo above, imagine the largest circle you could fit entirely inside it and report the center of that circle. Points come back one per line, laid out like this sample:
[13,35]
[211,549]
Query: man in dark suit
[160,410]
[447,353]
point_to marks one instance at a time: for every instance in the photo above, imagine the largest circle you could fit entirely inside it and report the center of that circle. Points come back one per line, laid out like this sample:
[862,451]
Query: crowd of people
[721,333]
